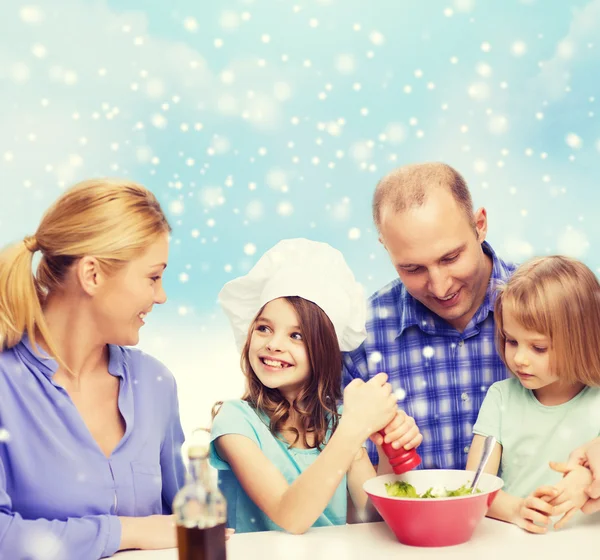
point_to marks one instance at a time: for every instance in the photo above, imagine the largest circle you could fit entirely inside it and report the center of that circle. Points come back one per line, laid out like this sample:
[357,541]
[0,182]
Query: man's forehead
[426,253]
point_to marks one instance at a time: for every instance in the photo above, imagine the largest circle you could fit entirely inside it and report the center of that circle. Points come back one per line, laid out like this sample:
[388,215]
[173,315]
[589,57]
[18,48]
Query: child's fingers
[379,379]
[414,442]
[565,518]
[376,438]
[395,423]
[549,491]
[531,517]
[536,516]
[564,507]
[533,528]
[559,500]
[406,438]
[562,468]
[396,428]
[539,506]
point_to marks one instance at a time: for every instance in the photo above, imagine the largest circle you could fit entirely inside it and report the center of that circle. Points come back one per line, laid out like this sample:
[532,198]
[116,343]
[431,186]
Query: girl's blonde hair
[558,297]
[113,220]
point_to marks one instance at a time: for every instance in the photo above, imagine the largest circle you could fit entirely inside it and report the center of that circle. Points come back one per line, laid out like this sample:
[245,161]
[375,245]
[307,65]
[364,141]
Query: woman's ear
[89,275]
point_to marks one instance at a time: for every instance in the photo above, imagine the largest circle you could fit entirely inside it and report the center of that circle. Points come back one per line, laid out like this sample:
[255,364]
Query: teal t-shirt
[532,434]
[243,515]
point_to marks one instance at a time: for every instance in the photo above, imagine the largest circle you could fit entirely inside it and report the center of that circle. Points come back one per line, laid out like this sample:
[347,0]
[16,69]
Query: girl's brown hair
[112,220]
[316,405]
[558,297]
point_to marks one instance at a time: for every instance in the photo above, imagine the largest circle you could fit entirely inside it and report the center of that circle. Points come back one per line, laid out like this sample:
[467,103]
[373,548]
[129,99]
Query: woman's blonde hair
[558,297]
[113,220]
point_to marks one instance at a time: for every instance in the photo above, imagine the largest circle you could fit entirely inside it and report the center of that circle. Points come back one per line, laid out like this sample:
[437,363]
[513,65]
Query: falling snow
[252,128]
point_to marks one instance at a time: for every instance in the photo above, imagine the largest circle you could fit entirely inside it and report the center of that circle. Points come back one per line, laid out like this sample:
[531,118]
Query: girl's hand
[534,511]
[588,455]
[572,488]
[370,406]
[402,431]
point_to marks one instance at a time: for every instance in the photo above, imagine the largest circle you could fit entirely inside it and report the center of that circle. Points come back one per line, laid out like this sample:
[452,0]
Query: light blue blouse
[56,485]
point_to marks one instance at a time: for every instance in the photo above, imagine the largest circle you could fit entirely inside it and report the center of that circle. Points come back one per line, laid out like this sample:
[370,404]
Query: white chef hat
[308,269]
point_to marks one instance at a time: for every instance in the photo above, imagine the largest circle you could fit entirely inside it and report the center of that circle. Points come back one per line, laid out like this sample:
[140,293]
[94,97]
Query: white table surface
[374,541]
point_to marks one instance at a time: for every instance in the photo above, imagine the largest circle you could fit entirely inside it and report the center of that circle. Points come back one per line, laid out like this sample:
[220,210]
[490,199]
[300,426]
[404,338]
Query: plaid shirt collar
[413,313]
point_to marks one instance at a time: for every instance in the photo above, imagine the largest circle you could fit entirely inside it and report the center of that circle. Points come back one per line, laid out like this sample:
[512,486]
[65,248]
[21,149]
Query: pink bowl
[436,521]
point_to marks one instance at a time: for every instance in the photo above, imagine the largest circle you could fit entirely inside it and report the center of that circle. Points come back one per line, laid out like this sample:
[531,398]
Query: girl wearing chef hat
[286,458]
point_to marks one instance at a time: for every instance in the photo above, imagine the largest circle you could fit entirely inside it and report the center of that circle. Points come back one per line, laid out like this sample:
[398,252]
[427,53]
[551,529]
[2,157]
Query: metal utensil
[488,447]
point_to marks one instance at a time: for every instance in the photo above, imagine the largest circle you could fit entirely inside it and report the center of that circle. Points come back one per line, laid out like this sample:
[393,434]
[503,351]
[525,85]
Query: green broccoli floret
[428,494]
[462,491]
[401,489]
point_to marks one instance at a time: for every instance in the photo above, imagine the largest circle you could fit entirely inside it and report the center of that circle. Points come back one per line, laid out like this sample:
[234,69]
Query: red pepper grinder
[400,459]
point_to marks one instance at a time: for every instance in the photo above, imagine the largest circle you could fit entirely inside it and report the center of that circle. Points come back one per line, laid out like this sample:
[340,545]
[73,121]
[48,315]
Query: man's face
[437,253]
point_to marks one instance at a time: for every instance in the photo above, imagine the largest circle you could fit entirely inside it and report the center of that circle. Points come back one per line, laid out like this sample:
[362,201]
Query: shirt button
[461,343]
[464,397]
[466,449]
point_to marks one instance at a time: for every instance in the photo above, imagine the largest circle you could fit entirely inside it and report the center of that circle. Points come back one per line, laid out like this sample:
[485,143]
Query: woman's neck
[74,337]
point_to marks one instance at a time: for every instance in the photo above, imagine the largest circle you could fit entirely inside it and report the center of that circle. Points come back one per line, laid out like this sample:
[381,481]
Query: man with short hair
[432,329]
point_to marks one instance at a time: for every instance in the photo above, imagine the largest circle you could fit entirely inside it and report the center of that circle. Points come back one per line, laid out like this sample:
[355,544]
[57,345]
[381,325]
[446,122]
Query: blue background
[254,121]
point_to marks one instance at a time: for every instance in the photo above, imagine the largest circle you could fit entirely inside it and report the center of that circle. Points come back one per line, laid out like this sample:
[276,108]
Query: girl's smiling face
[277,352]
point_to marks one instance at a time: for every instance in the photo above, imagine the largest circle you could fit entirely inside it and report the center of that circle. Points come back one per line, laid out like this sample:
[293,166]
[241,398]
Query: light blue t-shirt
[238,417]
[532,434]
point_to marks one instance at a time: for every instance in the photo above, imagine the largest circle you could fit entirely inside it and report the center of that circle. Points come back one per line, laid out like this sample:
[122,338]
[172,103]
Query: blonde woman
[90,458]
[548,334]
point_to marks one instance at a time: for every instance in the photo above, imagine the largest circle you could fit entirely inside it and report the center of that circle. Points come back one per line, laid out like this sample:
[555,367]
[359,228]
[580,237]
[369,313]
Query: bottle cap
[199,443]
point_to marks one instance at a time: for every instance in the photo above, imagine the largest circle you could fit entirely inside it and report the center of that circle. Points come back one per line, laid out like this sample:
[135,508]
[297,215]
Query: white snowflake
[400,394]
[354,233]
[282,91]
[498,124]
[285,208]
[565,49]
[31,14]
[518,48]
[479,91]
[375,357]
[345,64]
[230,20]
[176,207]
[377,38]
[573,243]
[574,141]
[249,249]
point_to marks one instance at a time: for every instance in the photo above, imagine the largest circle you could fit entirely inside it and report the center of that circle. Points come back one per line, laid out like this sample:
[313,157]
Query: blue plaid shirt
[440,375]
